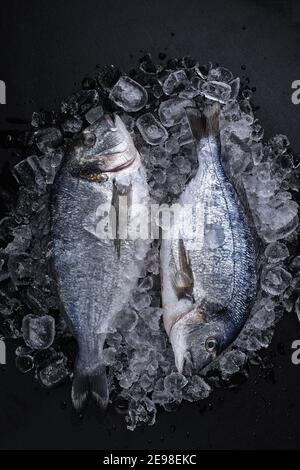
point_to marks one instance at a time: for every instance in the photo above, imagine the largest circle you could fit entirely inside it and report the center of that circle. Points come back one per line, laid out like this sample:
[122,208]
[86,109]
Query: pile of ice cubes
[151,100]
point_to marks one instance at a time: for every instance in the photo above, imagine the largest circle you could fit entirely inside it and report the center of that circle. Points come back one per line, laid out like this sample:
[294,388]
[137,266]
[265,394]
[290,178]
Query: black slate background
[46,48]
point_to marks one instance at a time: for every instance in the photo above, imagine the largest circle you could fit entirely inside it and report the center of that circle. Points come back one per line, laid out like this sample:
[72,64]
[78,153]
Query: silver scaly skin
[209,276]
[95,275]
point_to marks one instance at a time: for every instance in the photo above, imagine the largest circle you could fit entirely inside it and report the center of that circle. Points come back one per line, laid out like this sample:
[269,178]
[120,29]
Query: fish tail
[99,387]
[92,383]
[206,123]
[80,389]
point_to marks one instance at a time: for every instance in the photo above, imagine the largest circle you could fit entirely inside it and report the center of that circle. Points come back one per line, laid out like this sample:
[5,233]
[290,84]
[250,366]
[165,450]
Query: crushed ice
[151,100]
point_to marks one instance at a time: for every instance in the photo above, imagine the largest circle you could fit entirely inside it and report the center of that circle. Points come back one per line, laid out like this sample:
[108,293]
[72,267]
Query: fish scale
[94,278]
[221,256]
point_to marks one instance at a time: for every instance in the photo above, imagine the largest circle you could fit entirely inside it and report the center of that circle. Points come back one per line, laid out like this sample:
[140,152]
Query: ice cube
[275,280]
[196,389]
[183,164]
[140,300]
[257,152]
[157,90]
[281,219]
[172,145]
[114,340]
[38,331]
[21,268]
[235,88]
[54,373]
[220,74]
[47,138]
[159,175]
[173,385]
[147,283]
[175,80]
[109,356]
[36,119]
[22,238]
[279,144]
[151,129]
[172,111]
[11,328]
[231,362]
[295,264]
[175,180]
[263,315]
[145,382]
[129,94]
[72,124]
[94,114]
[175,381]
[152,317]
[143,411]
[276,252]
[28,172]
[216,91]
[24,363]
[127,379]
[185,135]
[126,320]
[50,164]
[251,339]
[189,92]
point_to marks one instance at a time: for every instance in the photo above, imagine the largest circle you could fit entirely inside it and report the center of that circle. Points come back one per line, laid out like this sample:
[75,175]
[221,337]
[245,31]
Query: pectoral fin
[118,193]
[182,274]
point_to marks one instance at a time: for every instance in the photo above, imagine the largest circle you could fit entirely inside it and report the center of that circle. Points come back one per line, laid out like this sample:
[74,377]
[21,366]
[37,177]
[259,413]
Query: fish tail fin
[92,383]
[205,123]
[80,389]
[99,387]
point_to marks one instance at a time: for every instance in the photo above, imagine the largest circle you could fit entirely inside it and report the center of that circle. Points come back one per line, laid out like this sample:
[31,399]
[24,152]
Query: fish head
[105,146]
[196,342]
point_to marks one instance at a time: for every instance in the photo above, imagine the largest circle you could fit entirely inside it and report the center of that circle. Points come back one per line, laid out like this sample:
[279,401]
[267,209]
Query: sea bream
[208,275]
[97,267]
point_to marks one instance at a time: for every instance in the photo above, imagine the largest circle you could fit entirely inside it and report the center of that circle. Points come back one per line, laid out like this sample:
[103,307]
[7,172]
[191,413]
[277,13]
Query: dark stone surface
[46,50]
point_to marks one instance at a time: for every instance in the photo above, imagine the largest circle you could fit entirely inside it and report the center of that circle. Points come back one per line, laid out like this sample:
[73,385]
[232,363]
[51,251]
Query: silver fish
[95,275]
[209,275]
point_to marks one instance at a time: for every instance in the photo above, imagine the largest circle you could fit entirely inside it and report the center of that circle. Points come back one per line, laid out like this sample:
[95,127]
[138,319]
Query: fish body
[96,272]
[209,275]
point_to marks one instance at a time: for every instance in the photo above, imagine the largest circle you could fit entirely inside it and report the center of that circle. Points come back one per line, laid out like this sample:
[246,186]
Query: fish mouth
[187,366]
[178,335]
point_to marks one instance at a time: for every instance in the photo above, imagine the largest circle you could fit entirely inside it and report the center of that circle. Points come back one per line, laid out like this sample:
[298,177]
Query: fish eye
[211,344]
[89,139]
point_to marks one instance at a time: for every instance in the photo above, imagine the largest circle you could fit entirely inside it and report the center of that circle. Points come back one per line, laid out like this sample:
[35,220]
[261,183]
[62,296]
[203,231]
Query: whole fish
[95,265]
[209,275]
